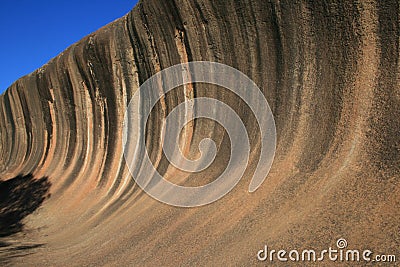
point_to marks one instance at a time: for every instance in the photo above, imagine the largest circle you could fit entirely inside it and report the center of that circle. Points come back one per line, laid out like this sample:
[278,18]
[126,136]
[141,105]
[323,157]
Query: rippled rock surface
[330,72]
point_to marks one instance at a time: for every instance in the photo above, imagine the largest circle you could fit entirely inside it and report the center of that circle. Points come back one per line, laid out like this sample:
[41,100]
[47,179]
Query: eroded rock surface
[330,72]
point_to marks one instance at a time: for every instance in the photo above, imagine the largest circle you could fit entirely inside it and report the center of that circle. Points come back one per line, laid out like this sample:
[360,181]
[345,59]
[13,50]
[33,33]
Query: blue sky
[34,31]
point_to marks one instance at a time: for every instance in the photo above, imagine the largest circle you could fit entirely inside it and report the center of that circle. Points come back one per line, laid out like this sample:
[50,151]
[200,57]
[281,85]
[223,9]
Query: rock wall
[330,72]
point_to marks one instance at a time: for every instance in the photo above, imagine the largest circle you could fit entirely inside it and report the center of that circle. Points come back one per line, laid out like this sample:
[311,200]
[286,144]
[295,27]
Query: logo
[340,253]
[154,89]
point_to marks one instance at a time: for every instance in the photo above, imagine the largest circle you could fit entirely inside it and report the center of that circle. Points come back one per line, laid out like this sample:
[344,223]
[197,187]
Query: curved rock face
[330,72]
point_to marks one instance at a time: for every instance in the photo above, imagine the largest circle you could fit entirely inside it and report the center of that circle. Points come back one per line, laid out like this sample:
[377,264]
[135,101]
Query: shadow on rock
[19,197]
